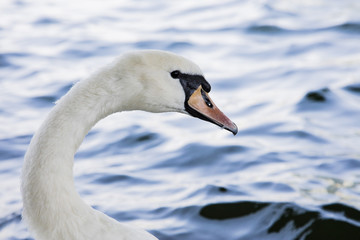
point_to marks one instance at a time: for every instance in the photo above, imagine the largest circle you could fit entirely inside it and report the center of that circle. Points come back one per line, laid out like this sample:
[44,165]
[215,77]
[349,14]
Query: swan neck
[49,195]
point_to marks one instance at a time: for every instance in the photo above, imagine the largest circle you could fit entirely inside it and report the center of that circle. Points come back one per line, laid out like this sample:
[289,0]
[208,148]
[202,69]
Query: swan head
[162,81]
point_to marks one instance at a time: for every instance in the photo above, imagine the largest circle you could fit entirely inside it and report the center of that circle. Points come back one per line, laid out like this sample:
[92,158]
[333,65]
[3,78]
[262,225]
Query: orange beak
[206,109]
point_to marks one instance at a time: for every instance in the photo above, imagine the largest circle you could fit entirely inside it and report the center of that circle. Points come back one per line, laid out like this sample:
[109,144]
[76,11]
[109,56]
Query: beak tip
[233,129]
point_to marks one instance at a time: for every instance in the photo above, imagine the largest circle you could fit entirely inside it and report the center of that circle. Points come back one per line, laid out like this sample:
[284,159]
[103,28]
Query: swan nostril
[206,99]
[209,104]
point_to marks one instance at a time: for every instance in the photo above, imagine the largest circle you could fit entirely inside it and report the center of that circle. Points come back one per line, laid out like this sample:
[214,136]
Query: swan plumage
[149,80]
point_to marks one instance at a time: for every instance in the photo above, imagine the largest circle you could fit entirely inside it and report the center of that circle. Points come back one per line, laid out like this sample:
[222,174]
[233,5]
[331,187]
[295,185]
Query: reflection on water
[287,72]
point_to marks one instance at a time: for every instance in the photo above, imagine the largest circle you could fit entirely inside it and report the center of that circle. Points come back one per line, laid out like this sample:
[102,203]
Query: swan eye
[175,74]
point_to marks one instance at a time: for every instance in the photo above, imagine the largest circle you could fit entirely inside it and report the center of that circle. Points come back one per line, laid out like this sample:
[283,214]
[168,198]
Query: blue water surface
[287,72]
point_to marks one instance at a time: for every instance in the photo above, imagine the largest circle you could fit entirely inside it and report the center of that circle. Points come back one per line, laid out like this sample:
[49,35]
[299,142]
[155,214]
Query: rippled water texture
[287,72]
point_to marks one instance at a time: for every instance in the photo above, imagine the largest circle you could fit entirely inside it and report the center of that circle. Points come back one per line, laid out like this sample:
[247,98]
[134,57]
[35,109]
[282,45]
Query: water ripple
[286,72]
[325,222]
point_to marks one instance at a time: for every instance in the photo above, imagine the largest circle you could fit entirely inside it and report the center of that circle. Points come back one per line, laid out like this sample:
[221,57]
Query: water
[287,72]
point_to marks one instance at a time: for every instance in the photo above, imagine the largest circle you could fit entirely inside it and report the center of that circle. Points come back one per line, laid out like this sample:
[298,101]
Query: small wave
[353,88]
[131,140]
[270,129]
[347,211]
[4,62]
[316,100]
[10,218]
[49,100]
[170,45]
[349,27]
[288,220]
[222,211]
[261,129]
[195,156]
[317,96]
[267,29]
[273,186]
[178,45]
[43,101]
[13,147]
[46,21]
[75,53]
[108,178]
[340,166]
[215,190]
[300,134]
[6,59]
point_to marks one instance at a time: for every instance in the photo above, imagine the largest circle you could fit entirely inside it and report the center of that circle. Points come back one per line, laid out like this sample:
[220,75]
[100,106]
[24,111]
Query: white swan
[153,81]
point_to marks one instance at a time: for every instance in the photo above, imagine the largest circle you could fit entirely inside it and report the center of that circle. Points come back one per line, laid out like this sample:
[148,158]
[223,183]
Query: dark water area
[286,72]
[275,219]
